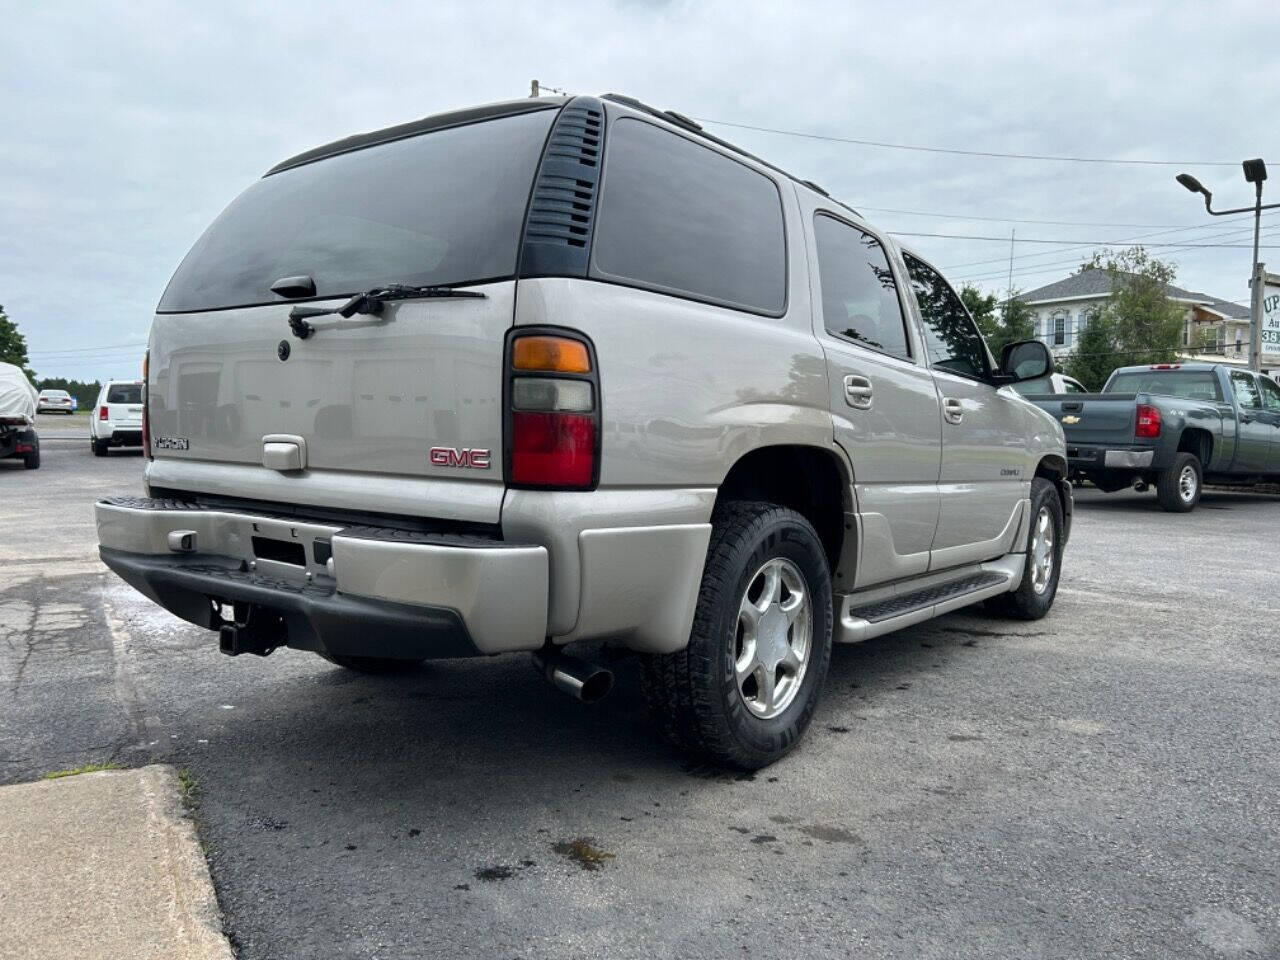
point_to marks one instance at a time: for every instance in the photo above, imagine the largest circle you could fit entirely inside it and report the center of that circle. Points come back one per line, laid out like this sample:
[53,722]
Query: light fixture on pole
[1255,171]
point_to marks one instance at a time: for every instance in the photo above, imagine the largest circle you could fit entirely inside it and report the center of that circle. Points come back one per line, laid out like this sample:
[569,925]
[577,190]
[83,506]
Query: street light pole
[1255,171]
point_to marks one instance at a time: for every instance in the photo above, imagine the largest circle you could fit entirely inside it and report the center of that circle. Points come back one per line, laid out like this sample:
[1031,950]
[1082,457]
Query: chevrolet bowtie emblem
[1070,419]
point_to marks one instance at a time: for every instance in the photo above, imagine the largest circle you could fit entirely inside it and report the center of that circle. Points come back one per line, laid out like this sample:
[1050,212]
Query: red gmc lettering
[466,458]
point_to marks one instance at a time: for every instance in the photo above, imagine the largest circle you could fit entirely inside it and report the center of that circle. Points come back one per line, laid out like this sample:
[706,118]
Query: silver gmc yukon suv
[572,369]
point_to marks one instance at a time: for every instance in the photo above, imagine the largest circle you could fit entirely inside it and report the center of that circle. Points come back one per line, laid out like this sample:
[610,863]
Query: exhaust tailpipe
[584,681]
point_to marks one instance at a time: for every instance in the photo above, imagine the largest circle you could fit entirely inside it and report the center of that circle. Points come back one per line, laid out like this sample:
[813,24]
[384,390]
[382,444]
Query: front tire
[1043,565]
[1179,484]
[742,693]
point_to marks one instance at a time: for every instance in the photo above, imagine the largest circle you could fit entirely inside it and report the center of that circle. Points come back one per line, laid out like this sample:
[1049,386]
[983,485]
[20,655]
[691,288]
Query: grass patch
[87,768]
[188,787]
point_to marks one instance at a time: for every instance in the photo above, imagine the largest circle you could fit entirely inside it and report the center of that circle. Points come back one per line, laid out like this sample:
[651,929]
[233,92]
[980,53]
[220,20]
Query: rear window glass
[444,207]
[1191,384]
[679,217]
[124,393]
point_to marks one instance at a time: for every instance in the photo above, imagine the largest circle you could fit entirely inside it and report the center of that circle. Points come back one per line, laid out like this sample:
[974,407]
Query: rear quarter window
[681,218]
[1191,384]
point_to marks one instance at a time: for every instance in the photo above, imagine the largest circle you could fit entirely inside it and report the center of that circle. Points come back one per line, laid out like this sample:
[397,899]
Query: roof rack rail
[680,120]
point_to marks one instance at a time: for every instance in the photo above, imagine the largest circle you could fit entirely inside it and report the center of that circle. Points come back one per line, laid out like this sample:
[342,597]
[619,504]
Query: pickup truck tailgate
[1092,418]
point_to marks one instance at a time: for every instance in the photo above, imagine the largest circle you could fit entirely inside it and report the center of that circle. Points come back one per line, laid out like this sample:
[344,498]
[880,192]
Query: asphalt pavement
[1105,782]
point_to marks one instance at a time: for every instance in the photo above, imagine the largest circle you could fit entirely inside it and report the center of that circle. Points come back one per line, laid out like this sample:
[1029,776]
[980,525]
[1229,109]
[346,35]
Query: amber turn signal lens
[550,354]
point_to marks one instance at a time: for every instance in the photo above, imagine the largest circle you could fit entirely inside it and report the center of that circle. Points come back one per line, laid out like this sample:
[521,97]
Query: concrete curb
[104,865]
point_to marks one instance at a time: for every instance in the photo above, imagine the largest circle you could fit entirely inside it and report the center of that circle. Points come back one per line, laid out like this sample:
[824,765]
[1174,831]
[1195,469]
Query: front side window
[681,218]
[1246,390]
[1270,394]
[951,339]
[444,207]
[859,296]
[1070,386]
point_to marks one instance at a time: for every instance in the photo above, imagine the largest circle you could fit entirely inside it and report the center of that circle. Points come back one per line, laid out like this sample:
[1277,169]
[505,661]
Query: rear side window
[951,339]
[124,393]
[444,207]
[1191,384]
[859,296]
[678,217]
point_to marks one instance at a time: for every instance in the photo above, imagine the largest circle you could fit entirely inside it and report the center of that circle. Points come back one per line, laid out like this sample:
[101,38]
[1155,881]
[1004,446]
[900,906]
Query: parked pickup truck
[562,370]
[1174,426]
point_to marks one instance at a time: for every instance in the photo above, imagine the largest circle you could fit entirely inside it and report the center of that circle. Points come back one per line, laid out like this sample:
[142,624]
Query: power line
[1052,223]
[969,153]
[1093,243]
[86,350]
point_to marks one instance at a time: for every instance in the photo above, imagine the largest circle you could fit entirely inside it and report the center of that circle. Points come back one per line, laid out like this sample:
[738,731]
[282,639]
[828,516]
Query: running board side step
[861,620]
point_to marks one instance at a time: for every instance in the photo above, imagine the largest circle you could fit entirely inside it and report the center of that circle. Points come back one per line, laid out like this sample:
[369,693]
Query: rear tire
[99,447]
[1179,484]
[374,665]
[32,461]
[1043,564]
[742,693]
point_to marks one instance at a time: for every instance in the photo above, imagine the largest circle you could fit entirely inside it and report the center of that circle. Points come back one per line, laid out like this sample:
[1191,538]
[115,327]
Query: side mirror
[1025,360]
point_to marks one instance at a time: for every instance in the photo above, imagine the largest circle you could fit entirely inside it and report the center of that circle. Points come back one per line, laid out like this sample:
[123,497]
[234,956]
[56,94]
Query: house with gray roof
[1063,309]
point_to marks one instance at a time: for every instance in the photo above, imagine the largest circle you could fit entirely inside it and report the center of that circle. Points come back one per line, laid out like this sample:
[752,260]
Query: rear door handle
[857,392]
[952,410]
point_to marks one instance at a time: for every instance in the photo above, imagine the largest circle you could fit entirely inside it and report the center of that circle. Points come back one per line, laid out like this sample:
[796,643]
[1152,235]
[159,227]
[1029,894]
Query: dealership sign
[1271,315]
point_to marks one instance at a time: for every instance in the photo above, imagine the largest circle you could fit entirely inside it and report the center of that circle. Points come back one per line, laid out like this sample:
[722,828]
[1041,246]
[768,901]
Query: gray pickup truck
[562,370]
[1173,426]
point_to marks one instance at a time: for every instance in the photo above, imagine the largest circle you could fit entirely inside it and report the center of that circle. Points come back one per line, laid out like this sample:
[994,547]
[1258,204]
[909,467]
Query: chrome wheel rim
[1187,483]
[773,639]
[1042,551]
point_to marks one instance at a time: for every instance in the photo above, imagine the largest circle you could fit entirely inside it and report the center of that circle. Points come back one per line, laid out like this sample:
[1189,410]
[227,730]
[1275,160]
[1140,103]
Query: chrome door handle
[952,410]
[857,392]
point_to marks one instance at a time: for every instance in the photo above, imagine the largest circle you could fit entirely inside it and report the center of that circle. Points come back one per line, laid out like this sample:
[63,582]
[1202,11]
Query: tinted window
[859,297]
[952,341]
[679,217]
[1270,394]
[124,393]
[1191,384]
[1246,390]
[1070,386]
[441,208]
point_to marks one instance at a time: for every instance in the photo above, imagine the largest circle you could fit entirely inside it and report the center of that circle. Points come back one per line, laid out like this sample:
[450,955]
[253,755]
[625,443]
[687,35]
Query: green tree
[1146,323]
[13,345]
[1095,355]
[1000,324]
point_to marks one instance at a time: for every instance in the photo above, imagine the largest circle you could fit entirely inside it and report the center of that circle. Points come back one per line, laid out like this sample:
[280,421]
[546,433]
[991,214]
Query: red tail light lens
[102,413]
[553,412]
[553,449]
[1148,421]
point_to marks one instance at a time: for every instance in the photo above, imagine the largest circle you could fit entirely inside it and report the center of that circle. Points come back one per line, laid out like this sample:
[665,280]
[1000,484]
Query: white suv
[117,417]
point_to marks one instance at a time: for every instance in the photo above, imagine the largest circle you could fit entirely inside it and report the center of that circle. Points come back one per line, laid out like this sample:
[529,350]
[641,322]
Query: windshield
[444,207]
[124,393]
[1191,384]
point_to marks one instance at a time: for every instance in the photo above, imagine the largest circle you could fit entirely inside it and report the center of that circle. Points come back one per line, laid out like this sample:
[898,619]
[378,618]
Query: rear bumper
[123,436]
[1086,456]
[356,591]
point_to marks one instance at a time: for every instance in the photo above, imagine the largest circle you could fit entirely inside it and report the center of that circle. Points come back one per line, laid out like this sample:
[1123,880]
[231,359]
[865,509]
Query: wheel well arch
[813,481]
[1199,442]
[1052,467]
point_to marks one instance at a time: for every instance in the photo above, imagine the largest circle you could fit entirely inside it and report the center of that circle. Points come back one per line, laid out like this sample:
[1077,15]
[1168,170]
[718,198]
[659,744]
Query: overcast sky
[127,127]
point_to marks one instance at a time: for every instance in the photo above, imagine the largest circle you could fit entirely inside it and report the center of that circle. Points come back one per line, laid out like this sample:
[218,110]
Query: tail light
[1148,421]
[553,411]
[102,413]
[146,418]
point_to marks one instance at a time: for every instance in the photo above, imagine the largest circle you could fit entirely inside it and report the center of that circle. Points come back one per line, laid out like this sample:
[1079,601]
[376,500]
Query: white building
[1062,311]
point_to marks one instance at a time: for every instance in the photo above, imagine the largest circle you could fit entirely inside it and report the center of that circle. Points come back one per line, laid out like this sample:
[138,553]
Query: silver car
[571,369]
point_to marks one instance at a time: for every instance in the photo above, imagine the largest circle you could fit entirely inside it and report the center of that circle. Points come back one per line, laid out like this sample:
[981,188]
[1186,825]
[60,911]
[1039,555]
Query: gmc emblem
[466,458]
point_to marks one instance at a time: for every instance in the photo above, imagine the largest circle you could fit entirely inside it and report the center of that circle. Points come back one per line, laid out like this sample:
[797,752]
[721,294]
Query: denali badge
[1069,419]
[453,457]
[171,443]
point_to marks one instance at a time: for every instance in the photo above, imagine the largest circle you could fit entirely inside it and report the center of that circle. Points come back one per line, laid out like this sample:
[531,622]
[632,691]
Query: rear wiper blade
[371,303]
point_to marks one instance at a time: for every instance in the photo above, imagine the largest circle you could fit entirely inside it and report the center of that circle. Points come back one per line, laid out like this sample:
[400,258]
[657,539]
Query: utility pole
[533,89]
[1008,297]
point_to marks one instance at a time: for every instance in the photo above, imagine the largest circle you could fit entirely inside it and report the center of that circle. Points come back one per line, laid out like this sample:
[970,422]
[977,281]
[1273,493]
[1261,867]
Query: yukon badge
[466,458]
